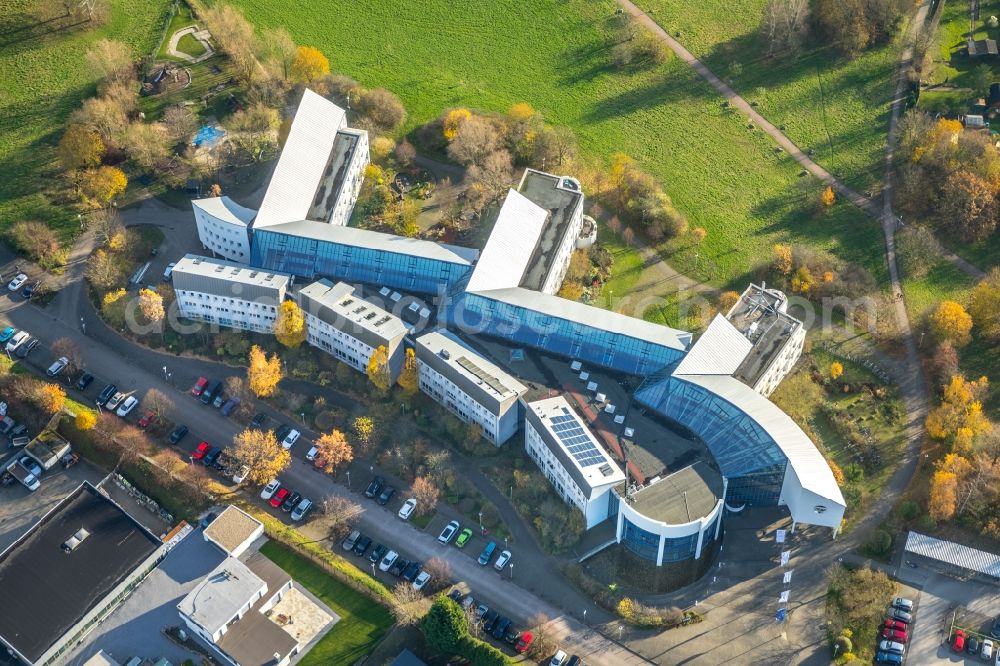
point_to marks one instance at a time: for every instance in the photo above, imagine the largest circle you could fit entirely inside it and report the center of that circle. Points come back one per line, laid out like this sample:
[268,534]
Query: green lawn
[362,621]
[837,107]
[625,270]
[43,77]
[951,63]
[556,55]
[182,18]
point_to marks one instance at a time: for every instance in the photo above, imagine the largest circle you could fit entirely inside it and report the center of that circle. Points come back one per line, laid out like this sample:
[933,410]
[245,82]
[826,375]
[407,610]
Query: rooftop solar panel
[576,440]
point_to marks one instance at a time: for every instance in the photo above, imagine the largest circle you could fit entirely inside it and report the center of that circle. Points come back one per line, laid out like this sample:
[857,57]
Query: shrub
[843,645]
[926,524]
[909,510]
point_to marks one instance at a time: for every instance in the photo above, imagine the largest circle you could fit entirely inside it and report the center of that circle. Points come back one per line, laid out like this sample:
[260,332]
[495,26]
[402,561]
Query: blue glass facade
[476,313]
[644,544]
[681,548]
[747,456]
[309,258]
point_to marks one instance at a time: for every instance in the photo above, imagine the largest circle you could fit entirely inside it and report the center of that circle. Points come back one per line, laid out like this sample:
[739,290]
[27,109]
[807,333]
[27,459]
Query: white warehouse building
[468,385]
[571,458]
[342,323]
[228,294]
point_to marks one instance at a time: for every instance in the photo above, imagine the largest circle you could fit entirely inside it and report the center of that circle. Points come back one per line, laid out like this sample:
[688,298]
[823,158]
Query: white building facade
[228,294]
[224,227]
[571,458]
[468,385]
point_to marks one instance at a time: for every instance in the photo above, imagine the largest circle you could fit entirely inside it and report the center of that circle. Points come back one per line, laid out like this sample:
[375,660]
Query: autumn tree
[105,115]
[836,370]
[785,24]
[158,402]
[475,138]
[493,176]
[851,26]
[263,373]
[408,379]
[111,60]
[698,234]
[67,347]
[280,51]
[968,202]
[151,305]
[944,495]
[782,259]
[959,418]
[452,120]
[235,36]
[85,420]
[49,398]
[36,240]
[426,493]
[365,432]
[290,325]
[382,109]
[261,453]
[254,130]
[147,144]
[950,321]
[333,450]
[984,305]
[309,65]
[571,291]
[728,300]
[104,270]
[379,372]
[827,197]
[103,184]
[408,604]
[405,153]
[945,362]
[80,148]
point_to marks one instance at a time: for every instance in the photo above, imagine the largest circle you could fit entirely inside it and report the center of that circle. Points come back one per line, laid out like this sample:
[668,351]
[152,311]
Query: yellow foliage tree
[379,372]
[783,259]
[86,420]
[950,321]
[571,291]
[727,300]
[960,416]
[836,370]
[80,147]
[828,197]
[984,305]
[259,451]
[452,120]
[290,324]
[521,112]
[103,184]
[408,379]
[948,130]
[113,297]
[309,65]
[944,495]
[364,431]
[838,474]
[50,398]
[263,374]
[334,450]
[626,609]
[698,233]
[151,305]
[803,280]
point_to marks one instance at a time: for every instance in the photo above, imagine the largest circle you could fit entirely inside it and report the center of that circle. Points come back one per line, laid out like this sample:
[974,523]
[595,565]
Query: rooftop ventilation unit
[605,469]
[72,543]
[382,321]
[445,354]
[347,301]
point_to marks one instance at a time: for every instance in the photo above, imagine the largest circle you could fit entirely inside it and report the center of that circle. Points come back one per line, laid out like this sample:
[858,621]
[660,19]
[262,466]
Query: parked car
[289,440]
[106,394]
[559,659]
[7,333]
[177,434]
[995,629]
[503,624]
[489,620]
[6,425]
[524,642]
[448,533]
[241,474]
[146,420]
[463,538]
[421,580]
[302,510]
[487,554]
[481,612]
[209,394]
[958,641]
[199,387]
[19,339]
[57,366]
[84,381]
[27,348]
[468,601]
[168,272]
[513,635]
[892,646]
[888,658]
[406,510]
[291,502]
[901,615]
[386,495]
[269,490]
[30,290]
[20,430]
[903,604]
[127,406]
[895,624]
[378,553]
[398,566]
[22,440]
[280,497]
[219,401]
[282,431]
[18,280]
[897,635]
[29,463]
[389,560]
[455,594]
[375,487]
[351,540]
[971,645]
[987,651]
[259,421]
[411,571]
[201,451]
[211,458]
[114,401]
[502,560]
[362,546]
[230,406]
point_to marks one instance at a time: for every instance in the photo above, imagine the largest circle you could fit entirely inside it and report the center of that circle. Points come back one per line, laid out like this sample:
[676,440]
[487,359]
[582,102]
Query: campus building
[69,571]
[227,293]
[342,323]
[570,457]
[468,385]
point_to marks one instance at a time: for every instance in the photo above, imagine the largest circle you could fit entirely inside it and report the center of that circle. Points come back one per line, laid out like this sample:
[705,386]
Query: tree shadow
[668,87]
[32,34]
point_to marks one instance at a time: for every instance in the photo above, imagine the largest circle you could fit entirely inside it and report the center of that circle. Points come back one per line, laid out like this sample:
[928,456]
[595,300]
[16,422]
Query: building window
[644,544]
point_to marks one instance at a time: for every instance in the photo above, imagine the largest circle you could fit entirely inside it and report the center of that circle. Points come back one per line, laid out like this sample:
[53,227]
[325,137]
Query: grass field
[837,107]
[951,63]
[43,77]
[362,621]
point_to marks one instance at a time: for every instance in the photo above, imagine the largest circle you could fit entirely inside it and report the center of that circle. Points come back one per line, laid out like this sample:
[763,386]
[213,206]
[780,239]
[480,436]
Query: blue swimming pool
[208,136]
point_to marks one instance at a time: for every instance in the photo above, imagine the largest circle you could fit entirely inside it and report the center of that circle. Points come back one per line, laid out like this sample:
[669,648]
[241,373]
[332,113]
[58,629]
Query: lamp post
[585,616]
[512,571]
[348,480]
[83,325]
[620,630]
[481,521]
[302,415]
[164,373]
[373,568]
[505,543]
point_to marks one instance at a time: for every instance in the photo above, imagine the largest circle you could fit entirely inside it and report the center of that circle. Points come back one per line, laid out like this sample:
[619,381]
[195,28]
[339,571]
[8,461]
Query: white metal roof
[230,271]
[290,193]
[501,384]
[342,307]
[588,315]
[809,464]
[719,350]
[953,553]
[510,245]
[376,240]
[226,210]
[216,599]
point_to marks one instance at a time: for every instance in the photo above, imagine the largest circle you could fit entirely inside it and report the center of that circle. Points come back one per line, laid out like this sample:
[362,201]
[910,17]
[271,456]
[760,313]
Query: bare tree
[68,348]
[158,402]
[111,60]
[441,574]
[279,51]
[385,111]
[542,646]
[408,604]
[341,513]
[180,123]
[107,116]
[146,144]
[234,35]
[475,139]
[785,24]
[493,177]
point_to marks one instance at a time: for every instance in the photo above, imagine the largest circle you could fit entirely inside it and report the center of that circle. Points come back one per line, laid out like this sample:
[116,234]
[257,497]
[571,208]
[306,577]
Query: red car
[200,451]
[894,635]
[958,641]
[280,497]
[524,642]
[199,387]
[894,624]
[147,419]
